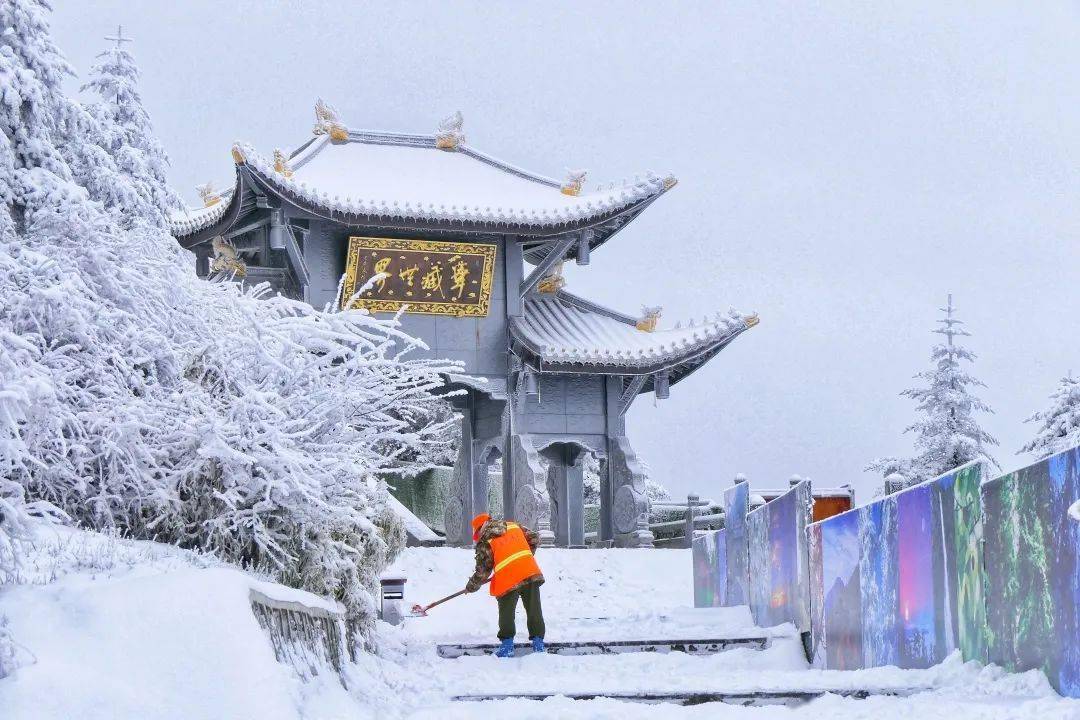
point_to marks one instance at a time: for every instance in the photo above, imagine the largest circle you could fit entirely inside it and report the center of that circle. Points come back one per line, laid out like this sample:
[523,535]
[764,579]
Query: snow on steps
[749,698]
[614,647]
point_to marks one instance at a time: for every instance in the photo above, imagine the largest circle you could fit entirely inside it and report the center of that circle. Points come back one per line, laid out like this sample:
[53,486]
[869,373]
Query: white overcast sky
[842,167]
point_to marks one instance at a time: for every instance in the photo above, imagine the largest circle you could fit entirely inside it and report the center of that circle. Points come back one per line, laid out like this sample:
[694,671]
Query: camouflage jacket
[485,559]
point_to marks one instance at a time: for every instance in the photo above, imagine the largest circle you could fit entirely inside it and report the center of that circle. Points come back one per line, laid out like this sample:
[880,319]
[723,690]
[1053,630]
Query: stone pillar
[575,501]
[630,511]
[460,506]
[607,528]
[566,490]
[529,488]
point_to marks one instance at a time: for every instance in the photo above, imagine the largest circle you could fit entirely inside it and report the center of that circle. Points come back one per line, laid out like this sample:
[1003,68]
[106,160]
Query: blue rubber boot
[506,649]
[538,645]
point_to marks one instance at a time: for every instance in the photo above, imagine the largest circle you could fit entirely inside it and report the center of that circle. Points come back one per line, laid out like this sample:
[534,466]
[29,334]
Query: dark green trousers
[534,614]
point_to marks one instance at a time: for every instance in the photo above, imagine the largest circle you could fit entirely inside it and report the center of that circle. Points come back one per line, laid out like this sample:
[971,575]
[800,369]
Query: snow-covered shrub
[948,434]
[7,649]
[135,396]
[591,474]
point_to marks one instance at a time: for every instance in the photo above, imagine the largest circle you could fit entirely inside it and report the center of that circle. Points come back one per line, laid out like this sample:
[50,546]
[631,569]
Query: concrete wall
[566,405]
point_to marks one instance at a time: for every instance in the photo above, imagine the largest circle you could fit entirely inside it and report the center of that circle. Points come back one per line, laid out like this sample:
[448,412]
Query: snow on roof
[491,385]
[564,329]
[189,220]
[407,177]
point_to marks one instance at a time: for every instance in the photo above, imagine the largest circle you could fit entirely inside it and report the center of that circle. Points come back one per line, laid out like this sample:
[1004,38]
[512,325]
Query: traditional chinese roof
[564,333]
[191,220]
[402,180]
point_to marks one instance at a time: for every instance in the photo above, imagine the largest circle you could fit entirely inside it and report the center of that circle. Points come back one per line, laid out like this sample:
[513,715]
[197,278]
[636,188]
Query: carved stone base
[636,539]
[630,513]
[531,504]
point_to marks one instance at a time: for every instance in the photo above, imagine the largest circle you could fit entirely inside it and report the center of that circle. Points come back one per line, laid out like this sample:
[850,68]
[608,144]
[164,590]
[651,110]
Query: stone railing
[309,638]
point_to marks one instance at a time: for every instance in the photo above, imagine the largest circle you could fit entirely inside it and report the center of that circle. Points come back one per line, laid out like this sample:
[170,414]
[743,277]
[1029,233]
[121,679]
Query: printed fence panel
[841,626]
[1032,570]
[817,594]
[757,533]
[737,505]
[902,578]
[779,565]
[879,584]
[710,569]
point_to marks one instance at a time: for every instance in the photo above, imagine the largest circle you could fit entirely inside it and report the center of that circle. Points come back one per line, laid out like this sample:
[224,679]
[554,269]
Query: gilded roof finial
[328,122]
[449,135]
[553,282]
[650,316]
[208,194]
[573,182]
[238,154]
[281,164]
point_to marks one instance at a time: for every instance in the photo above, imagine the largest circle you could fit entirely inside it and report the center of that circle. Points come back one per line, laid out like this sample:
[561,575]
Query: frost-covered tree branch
[135,396]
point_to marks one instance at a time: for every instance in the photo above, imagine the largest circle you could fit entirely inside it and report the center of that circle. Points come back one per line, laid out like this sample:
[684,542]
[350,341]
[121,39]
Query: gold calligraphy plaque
[429,277]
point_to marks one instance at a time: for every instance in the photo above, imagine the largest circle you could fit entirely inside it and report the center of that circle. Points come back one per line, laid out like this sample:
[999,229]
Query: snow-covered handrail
[308,637]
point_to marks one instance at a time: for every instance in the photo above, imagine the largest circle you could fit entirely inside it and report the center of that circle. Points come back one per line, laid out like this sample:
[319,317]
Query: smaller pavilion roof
[567,333]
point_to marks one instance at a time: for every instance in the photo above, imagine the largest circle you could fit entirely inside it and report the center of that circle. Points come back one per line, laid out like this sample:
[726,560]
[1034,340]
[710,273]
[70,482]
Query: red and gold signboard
[424,276]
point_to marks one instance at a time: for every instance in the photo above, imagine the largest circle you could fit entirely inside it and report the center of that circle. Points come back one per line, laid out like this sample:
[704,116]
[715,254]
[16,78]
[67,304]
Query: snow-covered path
[622,594]
[109,629]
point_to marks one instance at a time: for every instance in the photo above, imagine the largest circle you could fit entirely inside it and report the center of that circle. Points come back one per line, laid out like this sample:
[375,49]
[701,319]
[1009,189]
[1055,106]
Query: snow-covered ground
[107,628]
[111,628]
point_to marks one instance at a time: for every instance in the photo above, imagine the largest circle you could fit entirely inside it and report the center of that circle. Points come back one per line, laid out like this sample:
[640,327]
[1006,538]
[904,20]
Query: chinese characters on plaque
[430,277]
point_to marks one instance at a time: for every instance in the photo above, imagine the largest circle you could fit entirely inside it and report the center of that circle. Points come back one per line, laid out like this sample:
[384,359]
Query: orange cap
[477,523]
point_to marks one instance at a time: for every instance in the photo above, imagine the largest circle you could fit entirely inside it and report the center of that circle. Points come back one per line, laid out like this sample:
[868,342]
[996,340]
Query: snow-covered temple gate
[451,232]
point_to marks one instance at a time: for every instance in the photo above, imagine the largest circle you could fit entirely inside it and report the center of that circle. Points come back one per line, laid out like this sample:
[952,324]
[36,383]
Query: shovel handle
[451,597]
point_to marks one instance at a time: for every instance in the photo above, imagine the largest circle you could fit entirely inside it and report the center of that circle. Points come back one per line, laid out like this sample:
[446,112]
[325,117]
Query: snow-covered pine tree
[119,123]
[1059,424]
[948,434]
[135,396]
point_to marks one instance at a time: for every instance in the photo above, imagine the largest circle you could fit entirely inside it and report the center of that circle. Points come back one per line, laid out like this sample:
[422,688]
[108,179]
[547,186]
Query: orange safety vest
[514,562]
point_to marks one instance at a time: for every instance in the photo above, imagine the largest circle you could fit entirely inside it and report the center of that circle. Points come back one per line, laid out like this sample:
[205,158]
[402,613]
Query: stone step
[788,698]
[610,647]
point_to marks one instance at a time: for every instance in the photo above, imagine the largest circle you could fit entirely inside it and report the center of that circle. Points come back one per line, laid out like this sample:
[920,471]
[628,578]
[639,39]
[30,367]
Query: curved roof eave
[201,233]
[679,367]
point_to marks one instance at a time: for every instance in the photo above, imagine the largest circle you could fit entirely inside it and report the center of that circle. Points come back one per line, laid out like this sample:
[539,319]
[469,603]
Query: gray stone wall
[480,343]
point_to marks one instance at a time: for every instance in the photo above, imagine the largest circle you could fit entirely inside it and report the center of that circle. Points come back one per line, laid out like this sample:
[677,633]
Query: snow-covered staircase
[612,647]
[756,698]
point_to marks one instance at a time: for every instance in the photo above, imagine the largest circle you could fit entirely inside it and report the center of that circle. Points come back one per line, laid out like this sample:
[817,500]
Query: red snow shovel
[421,610]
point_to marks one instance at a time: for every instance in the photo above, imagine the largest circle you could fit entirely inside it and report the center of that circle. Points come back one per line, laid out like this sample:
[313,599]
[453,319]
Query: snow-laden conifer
[1058,424]
[947,434]
[135,396]
[119,123]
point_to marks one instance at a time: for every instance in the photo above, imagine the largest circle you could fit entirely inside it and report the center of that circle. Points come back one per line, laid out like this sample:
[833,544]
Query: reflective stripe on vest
[512,558]
[514,562]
